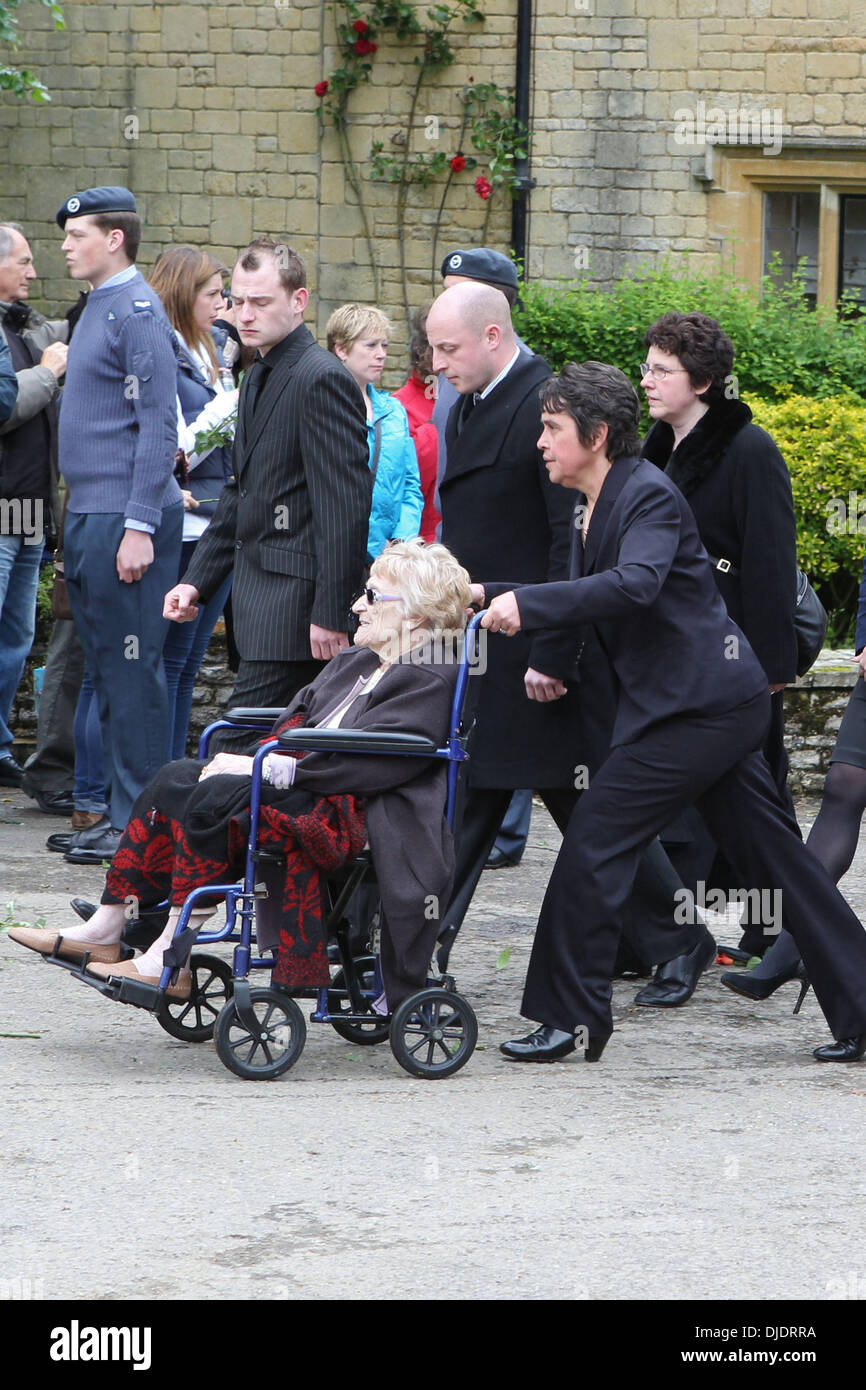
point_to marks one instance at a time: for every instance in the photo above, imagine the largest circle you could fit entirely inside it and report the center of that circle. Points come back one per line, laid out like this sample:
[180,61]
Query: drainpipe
[522,176]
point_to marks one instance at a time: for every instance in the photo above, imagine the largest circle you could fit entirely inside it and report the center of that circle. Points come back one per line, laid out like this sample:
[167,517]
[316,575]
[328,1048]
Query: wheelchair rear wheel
[257,1059]
[193,1020]
[433,1033]
[366,1034]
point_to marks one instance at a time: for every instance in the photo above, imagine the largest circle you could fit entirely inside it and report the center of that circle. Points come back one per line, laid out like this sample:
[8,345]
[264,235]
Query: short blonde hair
[353,321]
[431,581]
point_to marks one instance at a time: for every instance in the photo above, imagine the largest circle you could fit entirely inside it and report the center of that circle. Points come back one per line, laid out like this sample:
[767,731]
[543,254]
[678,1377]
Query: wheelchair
[260,1030]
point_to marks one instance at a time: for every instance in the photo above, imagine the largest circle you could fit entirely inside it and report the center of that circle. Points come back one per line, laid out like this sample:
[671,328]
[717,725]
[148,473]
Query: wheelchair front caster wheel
[261,1059]
[192,1020]
[433,1033]
[364,1034]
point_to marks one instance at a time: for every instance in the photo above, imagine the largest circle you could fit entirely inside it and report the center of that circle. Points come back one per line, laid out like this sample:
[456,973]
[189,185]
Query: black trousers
[266,684]
[649,914]
[716,764]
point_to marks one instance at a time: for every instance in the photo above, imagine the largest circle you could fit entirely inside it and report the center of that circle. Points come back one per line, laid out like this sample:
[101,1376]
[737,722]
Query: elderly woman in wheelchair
[189,827]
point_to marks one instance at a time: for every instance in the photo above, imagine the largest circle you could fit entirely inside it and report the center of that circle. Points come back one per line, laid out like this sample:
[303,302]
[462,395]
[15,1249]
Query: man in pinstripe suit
[292,521]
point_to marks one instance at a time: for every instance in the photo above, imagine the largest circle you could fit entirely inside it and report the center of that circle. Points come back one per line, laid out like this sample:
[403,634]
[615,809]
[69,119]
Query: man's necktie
[258,375]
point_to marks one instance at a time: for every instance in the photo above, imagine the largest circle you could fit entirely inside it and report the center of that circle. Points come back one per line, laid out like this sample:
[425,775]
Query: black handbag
[810,617]
[810,624]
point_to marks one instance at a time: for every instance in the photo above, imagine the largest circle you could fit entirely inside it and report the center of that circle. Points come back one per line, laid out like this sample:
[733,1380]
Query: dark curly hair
[702,346]
[595,394]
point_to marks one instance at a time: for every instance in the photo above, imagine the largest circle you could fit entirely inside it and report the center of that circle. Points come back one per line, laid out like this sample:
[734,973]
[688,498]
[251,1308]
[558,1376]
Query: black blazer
[502,515]
[739,488]
[292,521]
[645,585]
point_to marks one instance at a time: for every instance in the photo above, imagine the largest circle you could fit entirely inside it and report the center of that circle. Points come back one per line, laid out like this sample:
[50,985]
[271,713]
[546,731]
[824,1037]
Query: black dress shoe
[842,1050]
[59,844]
[52,803]
[11,775]
[497,860]
[546,1044]
[675,981]
[65,841]
[100,845]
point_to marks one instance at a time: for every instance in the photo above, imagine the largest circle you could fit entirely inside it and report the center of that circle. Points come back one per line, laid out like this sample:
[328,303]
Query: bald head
[470,331]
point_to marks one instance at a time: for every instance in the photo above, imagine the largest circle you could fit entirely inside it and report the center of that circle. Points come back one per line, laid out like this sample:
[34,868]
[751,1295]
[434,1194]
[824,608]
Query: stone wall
[208,113]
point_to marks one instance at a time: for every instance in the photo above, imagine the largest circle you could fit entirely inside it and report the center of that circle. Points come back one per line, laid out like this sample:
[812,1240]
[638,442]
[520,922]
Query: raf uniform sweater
[118,418]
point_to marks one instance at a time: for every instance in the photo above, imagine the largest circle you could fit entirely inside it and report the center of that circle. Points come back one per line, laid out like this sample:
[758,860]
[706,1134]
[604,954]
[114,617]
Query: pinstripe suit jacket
[292,521]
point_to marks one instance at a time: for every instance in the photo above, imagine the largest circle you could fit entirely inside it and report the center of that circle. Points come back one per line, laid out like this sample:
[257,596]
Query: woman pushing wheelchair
[188,828]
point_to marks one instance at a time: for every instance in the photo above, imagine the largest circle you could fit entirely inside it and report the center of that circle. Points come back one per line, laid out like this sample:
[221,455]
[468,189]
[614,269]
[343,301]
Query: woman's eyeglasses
[373,596]
[659,373]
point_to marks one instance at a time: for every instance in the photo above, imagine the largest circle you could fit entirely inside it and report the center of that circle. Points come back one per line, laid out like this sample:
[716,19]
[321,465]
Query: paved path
[699,1159]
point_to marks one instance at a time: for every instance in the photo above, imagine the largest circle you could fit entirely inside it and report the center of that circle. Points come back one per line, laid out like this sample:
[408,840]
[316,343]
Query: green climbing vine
[487,120]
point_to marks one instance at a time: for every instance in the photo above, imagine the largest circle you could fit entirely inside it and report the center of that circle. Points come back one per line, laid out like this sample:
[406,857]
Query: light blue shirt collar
[120,278]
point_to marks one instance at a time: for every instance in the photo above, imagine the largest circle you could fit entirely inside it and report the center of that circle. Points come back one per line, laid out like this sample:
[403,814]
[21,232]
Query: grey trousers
[51,768]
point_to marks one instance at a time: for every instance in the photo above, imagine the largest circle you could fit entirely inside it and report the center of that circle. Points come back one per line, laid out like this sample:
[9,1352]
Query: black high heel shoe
[745,983]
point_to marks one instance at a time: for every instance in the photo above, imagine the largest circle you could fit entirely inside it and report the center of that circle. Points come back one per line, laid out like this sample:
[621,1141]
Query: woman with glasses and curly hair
[737,484]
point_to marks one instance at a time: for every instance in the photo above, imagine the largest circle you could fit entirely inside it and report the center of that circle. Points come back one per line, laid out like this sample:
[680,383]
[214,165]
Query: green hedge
[802,371]
[824,445]
[782,346]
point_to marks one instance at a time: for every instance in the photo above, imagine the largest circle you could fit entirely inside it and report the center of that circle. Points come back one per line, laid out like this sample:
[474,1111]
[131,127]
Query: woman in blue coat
[190,284]
[358,334]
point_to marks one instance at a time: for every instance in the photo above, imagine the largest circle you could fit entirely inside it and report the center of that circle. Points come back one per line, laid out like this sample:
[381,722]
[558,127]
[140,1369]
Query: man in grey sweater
[118,437]
[28,469]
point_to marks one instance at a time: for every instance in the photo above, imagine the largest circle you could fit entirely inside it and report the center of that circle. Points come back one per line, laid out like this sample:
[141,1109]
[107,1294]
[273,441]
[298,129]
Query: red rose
[320,88]
[360,26]
[458,163]
[483,187]
[362,46]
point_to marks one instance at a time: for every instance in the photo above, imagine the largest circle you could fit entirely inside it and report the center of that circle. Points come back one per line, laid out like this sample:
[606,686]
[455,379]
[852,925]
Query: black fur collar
[703,447]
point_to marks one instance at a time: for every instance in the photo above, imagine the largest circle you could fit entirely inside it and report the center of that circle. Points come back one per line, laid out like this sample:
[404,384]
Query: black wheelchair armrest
[355,740]
[252,715]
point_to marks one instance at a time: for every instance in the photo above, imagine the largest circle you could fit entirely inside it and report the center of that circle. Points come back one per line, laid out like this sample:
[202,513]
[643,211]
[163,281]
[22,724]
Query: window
[791,234]
[808,202]
[852,248]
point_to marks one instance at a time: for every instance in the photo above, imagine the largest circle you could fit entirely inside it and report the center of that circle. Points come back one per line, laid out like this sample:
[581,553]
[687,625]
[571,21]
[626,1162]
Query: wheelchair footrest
[121,989]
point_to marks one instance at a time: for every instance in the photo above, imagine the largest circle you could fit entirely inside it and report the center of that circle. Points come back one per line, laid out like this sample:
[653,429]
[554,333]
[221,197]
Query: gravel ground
[695,1161]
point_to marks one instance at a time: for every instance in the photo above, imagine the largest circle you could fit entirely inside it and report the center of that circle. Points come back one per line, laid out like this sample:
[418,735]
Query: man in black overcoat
[501,514]
[292,522]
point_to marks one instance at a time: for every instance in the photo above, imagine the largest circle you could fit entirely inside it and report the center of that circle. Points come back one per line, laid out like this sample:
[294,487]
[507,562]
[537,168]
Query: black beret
[491,267]
[94,200]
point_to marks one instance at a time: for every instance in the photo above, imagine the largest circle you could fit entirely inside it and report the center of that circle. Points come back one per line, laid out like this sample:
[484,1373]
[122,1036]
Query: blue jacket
[398,502]
[214,471]
[8,382]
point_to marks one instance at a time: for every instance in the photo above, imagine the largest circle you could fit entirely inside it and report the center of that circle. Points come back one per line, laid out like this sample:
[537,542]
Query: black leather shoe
[98,846]
[546,1044]
[842,1050]
[497,860]
[675,981]
[11,775]
[53,803]
[65,841]
[59,844]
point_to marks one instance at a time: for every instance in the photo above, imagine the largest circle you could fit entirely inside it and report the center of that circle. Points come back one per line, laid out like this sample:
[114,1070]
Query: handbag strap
[724,565]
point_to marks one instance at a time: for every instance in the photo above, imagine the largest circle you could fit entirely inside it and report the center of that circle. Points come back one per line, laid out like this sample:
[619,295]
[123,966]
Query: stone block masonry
[208,111]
